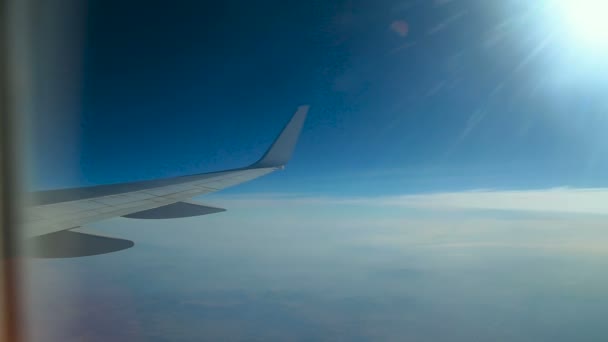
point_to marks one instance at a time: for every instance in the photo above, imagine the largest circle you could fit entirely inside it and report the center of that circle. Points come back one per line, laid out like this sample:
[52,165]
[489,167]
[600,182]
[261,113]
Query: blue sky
[468,93]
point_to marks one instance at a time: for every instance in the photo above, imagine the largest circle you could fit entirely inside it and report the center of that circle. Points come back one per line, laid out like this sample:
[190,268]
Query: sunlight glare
[587,21]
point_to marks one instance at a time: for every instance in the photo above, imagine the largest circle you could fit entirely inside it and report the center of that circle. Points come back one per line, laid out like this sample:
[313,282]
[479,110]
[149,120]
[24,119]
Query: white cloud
[555,200]
[591,201]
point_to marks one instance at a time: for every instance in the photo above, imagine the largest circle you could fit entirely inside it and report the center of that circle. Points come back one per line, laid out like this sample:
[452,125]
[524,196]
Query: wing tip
[283,146]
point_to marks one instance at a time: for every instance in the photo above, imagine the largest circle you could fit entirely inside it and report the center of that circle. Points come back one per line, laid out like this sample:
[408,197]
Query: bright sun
[586,21]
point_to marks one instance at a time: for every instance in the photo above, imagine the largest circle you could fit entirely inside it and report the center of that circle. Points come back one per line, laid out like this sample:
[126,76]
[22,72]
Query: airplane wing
[53,222]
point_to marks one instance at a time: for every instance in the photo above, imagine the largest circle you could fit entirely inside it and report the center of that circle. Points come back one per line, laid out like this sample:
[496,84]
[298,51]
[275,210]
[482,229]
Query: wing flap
[72,243]
[175,210]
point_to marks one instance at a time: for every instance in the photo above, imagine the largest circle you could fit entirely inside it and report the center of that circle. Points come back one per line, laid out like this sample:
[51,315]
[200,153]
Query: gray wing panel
[44,219]
[66,195]
[175,210]
[72,244]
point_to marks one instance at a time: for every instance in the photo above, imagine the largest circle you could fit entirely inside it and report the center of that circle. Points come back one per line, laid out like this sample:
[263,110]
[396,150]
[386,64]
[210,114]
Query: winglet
[281,149]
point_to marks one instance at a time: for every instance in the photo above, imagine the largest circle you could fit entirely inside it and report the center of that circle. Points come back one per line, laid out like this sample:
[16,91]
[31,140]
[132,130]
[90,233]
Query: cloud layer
[555,200]
[301,267]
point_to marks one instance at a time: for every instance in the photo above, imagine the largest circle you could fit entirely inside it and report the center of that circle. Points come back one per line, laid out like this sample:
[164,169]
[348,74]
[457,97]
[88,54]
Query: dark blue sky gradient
[476,95]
